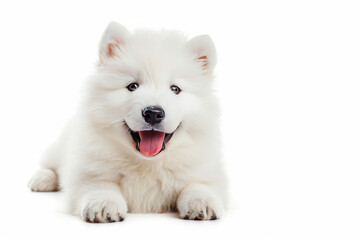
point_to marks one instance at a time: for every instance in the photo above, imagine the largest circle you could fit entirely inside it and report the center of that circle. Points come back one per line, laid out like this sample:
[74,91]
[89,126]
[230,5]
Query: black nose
[153,114]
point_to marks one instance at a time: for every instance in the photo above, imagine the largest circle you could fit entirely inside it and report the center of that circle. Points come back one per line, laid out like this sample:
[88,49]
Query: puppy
[146,136]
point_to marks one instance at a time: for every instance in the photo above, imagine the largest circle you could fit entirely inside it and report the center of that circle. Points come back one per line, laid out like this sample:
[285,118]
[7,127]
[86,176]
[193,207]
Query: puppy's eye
[132,87]
[175,89]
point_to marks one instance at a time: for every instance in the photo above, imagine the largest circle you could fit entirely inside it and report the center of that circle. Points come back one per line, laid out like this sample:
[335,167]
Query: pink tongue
[151,142]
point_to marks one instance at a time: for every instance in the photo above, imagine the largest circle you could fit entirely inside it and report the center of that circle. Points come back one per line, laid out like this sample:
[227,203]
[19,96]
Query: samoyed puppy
[146,135]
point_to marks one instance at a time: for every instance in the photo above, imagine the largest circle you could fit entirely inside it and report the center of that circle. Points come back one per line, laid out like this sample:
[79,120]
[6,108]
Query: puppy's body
[113,159]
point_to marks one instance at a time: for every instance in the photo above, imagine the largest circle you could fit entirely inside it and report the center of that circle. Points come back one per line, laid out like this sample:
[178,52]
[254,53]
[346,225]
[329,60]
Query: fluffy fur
[95,161]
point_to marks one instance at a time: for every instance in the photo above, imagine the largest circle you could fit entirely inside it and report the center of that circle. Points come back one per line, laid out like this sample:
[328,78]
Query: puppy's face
[149,87]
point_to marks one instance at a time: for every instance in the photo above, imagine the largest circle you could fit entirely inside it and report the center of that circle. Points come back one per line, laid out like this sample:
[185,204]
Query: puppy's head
[150,88]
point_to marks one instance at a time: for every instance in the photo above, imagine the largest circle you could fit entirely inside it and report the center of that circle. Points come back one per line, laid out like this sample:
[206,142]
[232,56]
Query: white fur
[99,169]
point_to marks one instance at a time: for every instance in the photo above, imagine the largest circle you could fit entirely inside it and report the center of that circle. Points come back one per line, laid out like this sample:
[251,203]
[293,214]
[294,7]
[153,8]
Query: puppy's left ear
[204,51]
[114,37]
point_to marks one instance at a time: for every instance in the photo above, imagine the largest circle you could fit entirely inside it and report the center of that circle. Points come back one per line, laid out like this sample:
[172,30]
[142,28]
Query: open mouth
[150,142]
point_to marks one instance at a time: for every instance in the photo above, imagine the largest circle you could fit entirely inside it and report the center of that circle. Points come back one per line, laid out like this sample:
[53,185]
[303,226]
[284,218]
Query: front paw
[199,208]
[103,211]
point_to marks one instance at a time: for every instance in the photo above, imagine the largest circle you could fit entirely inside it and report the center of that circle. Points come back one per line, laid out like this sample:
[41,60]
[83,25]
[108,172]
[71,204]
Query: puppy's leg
[46,179]
[199,202]
[101,202]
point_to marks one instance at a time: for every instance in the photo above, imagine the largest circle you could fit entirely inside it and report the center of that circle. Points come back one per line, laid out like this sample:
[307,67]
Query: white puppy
[146,137]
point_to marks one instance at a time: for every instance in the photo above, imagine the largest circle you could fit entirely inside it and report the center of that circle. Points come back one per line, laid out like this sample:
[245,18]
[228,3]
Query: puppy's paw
[103,211]
[196,208]
[44,180]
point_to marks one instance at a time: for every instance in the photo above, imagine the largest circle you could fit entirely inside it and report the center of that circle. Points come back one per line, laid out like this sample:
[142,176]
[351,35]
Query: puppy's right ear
[114,37]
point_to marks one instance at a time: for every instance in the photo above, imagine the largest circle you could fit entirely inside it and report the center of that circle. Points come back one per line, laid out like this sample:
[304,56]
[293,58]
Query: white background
[289,82]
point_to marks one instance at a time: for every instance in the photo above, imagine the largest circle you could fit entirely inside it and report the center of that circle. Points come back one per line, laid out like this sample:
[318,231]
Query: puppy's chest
[150,191]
